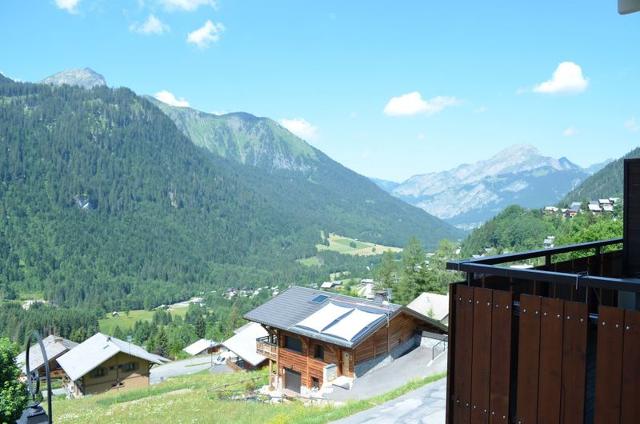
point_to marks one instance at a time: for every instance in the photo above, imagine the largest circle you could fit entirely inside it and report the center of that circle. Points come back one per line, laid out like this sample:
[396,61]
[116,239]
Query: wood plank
[528,359]
[481,362]
[463,355]
[451,366]
[550,375]
[501,320]
[609,365]
[630,407]
[574,362]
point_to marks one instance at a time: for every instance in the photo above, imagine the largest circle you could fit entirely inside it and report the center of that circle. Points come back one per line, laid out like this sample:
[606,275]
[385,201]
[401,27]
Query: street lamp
[34,413]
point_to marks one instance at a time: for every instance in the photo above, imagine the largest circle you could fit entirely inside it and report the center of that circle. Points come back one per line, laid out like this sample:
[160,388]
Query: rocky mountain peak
[81,77]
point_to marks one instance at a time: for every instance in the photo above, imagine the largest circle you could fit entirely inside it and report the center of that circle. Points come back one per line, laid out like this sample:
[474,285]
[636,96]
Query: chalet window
[315,383]
[130,366]
[99,372]
[318,352]
[293,343]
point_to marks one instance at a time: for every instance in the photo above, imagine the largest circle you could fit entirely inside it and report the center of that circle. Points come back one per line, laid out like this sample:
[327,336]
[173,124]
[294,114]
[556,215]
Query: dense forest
[105,204]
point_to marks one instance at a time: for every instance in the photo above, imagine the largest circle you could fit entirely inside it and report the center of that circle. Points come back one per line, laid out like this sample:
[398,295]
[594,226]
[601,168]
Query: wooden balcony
[559,342]
[267,348]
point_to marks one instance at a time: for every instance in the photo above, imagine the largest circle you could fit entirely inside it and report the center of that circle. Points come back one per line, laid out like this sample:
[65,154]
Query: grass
[194,399]
[349,246]
[125,322]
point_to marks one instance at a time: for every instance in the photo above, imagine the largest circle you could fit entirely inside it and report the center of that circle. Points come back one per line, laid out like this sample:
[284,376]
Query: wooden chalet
[315,337]
[103,363]
[556,343]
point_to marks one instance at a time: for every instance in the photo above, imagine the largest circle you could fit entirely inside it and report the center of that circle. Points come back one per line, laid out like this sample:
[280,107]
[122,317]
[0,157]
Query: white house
[432,305]
[203,347]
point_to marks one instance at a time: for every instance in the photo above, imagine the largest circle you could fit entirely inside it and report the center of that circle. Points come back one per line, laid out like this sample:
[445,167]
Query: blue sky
[389,89]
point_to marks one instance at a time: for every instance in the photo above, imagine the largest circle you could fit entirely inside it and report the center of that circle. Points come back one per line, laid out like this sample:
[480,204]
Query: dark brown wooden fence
[525,369]
[552,354]
[618,367]
[482,356]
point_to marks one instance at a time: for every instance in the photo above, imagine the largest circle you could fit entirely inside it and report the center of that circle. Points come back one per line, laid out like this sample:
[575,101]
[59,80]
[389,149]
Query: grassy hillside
[607,182]
[126,321]
[196,399]
[349,246]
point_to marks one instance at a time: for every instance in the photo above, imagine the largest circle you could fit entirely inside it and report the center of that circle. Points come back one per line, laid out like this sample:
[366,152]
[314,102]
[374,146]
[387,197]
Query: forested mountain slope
[103,198]
[517,229]
[294,173]
[105,203]
[607,182]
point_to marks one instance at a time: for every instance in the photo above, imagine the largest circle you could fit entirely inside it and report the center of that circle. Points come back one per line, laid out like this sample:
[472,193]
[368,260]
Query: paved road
[415,364]
[185,367]
[425,405]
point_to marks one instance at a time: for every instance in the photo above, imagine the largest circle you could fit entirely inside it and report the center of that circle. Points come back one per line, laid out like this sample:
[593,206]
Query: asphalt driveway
[425,405]
[185,367]
[413,365]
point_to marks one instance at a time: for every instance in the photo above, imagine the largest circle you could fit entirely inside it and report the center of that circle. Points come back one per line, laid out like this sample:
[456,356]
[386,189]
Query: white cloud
[152,25]
[413,104]
[186,5]
[567,78]
[481,109]
[205,35]
[167,97]
[632,125]
[421,136]
[300,127]
[570,132]
[68,5]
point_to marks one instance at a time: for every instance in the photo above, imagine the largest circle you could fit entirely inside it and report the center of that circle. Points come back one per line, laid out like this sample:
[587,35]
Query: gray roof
[98,348]
[54,346]
[295,304]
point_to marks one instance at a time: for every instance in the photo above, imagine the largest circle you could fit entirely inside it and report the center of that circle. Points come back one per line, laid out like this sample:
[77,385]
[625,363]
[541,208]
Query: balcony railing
[598,271]
[267,348]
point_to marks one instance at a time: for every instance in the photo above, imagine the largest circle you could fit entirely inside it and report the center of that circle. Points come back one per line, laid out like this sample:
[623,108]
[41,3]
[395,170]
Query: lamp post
[34,413]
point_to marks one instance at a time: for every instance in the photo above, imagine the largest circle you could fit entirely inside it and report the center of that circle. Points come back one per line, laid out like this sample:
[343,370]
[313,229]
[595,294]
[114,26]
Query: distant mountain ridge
[607,182]
[469,194]
[244,138]
[85,78]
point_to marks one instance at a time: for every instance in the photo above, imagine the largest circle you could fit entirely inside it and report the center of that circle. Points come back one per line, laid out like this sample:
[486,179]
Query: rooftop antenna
[628,6]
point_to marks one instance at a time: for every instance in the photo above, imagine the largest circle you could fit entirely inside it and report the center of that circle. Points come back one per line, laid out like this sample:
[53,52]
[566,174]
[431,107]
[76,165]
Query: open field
[109,323]
[349,246]
[195,399]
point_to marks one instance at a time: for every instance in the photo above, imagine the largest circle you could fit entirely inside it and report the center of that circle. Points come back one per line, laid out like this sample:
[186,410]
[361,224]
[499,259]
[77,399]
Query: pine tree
[386,273]
[13,394]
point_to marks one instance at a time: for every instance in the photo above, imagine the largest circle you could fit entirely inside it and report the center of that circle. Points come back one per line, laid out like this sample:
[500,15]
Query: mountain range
[470,194]
[113,200]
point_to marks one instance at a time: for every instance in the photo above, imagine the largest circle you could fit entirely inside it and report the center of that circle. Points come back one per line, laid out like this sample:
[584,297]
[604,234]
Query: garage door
[292,380]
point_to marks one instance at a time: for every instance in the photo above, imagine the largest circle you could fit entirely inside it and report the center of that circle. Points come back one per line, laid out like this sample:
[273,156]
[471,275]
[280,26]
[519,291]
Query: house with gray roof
[102,363]
[314,337]
[54,347]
